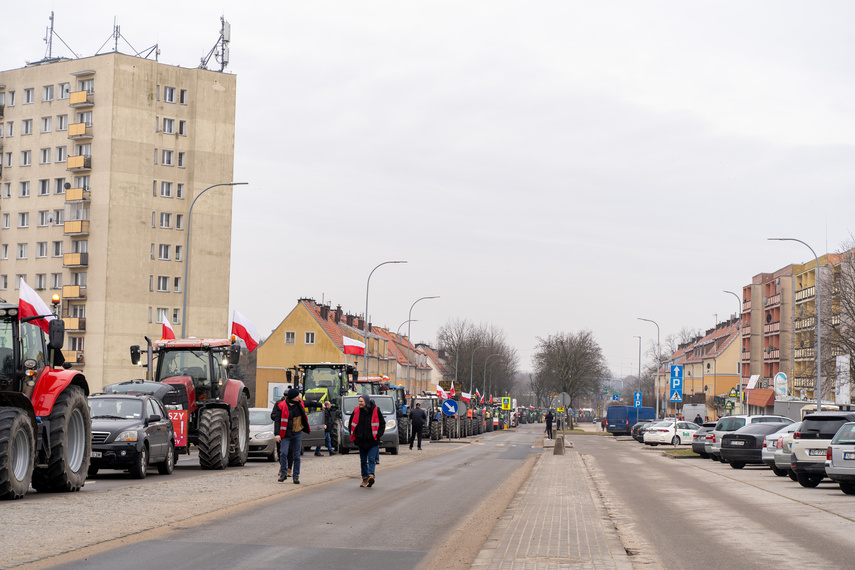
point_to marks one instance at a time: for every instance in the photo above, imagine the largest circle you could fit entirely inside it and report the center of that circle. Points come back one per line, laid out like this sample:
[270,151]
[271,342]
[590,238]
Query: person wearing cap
[289,423]
[418,418]
[366,427]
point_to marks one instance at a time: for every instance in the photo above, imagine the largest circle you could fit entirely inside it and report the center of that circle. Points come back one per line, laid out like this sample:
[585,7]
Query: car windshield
[383,403]
[729,424]
[259,417]
[773,419]
[825,428]
[316,417]
[425,402]
[133,387]
[761,428]
[115,408]
[663,424]
[845,434]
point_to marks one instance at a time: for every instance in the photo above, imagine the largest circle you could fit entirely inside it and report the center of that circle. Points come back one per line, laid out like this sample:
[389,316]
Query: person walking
[289,423]
[549,418]
[366,427]
[698,419]
[418,419]
[329,422]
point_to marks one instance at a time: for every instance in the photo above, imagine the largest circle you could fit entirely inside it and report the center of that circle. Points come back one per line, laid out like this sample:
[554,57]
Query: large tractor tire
[435,430]
[213,438]
[404,430]
[489,424]
[71,444]
[239,436]
[450,428]
[17,453]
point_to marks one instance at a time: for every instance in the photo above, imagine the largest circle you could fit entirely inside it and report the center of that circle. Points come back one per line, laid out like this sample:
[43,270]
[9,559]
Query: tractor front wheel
[213,438]
[71,444]
[239,436]
[404,430]
[17,453]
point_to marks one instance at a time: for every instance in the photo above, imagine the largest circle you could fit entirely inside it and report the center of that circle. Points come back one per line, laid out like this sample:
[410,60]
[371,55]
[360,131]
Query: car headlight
[391,424]
[127,436]
[173,406]
[264,435]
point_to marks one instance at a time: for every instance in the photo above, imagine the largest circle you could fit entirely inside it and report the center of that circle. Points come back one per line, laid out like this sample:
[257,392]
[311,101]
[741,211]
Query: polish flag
[441,393]
[353,346]
[245,330]
[478,396]
[31,305]
[465,396]
[167,333]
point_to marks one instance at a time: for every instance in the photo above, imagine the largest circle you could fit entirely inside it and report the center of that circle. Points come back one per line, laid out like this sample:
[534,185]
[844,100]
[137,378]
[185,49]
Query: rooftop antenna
[117,34]
[220,51]
[49,35]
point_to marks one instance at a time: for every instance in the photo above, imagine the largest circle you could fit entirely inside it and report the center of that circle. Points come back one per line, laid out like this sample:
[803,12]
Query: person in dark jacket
[289,423]
[418,419]
[366,427]
[329,422]
[698,419]
[549,417]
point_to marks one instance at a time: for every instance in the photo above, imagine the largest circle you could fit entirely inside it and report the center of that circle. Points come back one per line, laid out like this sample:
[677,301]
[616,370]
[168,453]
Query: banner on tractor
[179,424]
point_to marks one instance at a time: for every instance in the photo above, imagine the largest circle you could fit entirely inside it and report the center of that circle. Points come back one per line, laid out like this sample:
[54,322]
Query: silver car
[840,458]
[729,424]
[770,448]
[389,440]
[261,442]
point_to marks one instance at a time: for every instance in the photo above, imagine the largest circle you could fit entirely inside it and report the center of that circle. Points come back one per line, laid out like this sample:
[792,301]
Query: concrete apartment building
[101,160]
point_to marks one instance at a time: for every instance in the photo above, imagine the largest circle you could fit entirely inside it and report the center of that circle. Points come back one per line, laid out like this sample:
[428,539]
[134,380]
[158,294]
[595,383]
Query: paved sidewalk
[556,521]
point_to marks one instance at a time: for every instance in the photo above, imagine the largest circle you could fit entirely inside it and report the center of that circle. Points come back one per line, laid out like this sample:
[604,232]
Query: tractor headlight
[127,436]
[390,425]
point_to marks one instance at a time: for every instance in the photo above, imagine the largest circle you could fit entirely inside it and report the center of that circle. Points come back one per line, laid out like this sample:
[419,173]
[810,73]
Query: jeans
[417,432]
[293,443]
[548,431]
[368,458]
[328,443]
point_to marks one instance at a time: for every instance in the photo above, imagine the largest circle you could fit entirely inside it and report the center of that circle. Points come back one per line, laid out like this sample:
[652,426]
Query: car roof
[117,395]
[819,416]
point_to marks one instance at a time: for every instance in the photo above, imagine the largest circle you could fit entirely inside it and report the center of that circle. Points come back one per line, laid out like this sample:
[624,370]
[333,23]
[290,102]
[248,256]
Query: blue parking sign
[676,383]
[637,399]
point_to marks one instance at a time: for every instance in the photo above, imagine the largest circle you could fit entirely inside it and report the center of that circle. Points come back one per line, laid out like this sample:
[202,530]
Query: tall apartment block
[101,160]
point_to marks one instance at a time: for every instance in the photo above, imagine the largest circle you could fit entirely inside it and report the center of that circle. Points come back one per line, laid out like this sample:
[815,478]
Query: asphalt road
[411,510]
[696,513]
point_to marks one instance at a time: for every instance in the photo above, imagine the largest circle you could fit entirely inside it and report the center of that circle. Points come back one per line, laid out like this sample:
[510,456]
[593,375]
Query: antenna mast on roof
[49,34]
[220,51]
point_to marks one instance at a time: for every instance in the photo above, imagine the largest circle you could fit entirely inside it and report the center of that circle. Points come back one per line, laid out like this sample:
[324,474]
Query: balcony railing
[73,292]
[805,353]
[77,195]
[746,355]
[772,327]
[76,227]
[75,323]
[79,131]
[806,323]
[835,320]
[79,99]
[774,300]
[772,355]
[837,351]
[75,259]
[73,356]
[803,382]
[79,162]
[746,305]
[805,294]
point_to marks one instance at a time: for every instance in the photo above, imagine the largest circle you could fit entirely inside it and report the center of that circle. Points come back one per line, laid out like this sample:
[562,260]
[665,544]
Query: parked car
[130,431]
[700,437]
[810,445]
[669,431]
[316,425]
[783,454]
[261,436]
[745,445]
[389,440]
[166,393]
[840,458]
[636,432]
[732,423]
[770,446]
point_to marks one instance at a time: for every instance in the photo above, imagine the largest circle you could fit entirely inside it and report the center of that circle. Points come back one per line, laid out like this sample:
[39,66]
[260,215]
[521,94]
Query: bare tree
[571,363]
[479,357]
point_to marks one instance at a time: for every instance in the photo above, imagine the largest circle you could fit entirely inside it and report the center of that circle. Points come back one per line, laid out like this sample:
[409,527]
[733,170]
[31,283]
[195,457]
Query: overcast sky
[543,166]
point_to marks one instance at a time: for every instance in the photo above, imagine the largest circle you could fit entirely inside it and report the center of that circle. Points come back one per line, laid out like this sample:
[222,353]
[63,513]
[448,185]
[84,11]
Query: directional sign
[637,399]
[449,407]
[615,397]
[676,383]
[676,396]
[506,403]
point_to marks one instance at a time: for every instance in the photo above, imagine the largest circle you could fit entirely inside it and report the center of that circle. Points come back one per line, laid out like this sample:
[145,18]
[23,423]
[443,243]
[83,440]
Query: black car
[745,445]
[130,431]
[699,439]
[637,431]
[166,393]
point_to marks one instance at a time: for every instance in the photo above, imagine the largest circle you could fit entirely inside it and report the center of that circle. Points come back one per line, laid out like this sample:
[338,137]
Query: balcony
[835,320]
[79,163]
[73,356]
[773,301]
[806,323]
[808,353]
[77,195]
[804,383]
[805,294]
[77,227]
[75,259]
[81,99]
[73,292]
[79,131]
[746,305]
[772,328]
[75,323]
[837,351]
[772,355]
[746,355]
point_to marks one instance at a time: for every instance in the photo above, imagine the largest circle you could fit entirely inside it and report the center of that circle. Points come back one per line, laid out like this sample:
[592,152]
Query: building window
[58,217]
[29,96]
[163,252]
[59,185]
[27,127]
[162,284]
[76,343]
[179,191]
[166,189]
[78,311]
[22,250]
[44,156]
[62,122]
[310,338]
[7,190]
[83,149]
[3,282]
[87,85]
[18,278]
[4,251]
[47,93]
[290,337]
[79,279]
[155,156]
[182,96]
[26,157]
[41,249]
[79,246]
[161,314]
[169,126]
[61,153]
[47,123]
[150,284]
[8,159]
[169,94]
[23,190]
[24,220]
[182,128]
[166,159]
[56,249]
[179,221]
[82,182]
[85,118]
[56,280]
[153,219]
[10,128]
[44,187]
[44,218]
[176,285]
[152,251]
[64,90]
[5,221]
[176,316]
[181,163]
[179,252]
[41,281]
[165,220]
[11,102]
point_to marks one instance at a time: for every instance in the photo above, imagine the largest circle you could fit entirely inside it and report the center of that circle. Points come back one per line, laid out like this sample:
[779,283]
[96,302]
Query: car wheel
[274,457]
[92,471]
[167,465]
[737,464]
[675,440]
[704,455]
[848,488]
[721,459]
[779,472]
[792,475]
[140,466]
[806,480]
[393,450]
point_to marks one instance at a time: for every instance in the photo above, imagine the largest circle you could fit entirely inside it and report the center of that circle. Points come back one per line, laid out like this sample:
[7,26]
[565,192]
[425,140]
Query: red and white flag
[451,392]
[167,333]
[31,305]
[465,396]
[353,346]
[478,396]
[441,393]
[245,330]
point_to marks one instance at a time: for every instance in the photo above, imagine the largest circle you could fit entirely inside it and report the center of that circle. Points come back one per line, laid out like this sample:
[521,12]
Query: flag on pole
[478,397]
[167,333]
[451,392]
[441,393]
[353,346]
[31,305]
[465,396]
[245,330]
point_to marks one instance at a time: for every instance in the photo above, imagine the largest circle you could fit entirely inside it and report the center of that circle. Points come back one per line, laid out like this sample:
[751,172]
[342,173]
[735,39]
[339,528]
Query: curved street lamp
[410,317]
[484,384]
[738,362]
[365,322]
[658,364]
[471,367]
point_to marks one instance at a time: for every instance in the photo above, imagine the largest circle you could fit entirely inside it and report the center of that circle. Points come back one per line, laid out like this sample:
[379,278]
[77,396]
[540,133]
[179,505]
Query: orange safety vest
[469,413]
[283,423]
[375,423]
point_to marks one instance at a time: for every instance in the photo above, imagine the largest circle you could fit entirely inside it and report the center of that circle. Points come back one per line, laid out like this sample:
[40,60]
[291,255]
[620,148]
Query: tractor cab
[325,382]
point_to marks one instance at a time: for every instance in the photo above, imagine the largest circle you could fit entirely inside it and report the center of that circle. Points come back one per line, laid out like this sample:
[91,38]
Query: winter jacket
[418,418]
[549,419]
[329,420]
[283,416]
[362,432]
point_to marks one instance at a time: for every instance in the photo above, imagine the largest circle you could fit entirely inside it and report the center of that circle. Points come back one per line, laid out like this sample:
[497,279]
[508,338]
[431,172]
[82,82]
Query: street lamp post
[818,327]
[365,322]
[410,316]
[639,359]
[484,383]
[471,367]
[744,397]
[187,252]
[658,364]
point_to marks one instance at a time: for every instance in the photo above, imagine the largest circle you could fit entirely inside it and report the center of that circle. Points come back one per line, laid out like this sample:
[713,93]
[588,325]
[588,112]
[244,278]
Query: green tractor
[325,382]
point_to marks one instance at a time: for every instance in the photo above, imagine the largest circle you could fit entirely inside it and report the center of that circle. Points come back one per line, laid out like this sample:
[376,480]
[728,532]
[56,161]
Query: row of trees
[571,363]
[478,356]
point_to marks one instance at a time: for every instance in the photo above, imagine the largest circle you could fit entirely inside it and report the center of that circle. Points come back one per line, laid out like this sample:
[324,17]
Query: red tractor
[45,429]
[217,407]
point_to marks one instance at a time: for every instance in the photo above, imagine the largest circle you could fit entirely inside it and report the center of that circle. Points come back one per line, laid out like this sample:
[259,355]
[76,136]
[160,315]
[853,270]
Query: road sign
[615,397]
[506,403]
[676,383]
[676,396]
[732,393]
[728,405]
[637,399]
[560,410]
[449,407]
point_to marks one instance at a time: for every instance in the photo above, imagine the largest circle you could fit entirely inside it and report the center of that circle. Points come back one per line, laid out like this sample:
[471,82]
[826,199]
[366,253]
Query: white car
[770,446]
[665,432]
